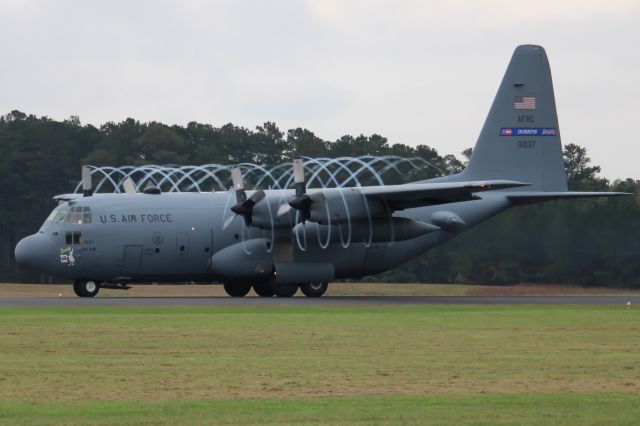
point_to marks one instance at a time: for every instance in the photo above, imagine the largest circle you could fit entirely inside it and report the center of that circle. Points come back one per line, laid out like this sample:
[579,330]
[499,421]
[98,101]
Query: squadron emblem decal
[158,238]
[66,256]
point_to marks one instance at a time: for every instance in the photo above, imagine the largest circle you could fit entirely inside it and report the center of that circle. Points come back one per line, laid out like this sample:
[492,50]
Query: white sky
[415,71]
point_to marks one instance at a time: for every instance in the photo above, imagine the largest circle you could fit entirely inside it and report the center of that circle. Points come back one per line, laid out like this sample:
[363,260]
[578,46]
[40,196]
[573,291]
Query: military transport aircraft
[279,241]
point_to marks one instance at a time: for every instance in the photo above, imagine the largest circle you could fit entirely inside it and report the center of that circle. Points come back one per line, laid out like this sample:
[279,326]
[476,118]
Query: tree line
[590,242]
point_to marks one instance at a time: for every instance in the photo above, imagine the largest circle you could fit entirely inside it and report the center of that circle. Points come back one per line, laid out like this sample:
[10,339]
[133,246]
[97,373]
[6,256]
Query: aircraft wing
[399,197]
[530,197]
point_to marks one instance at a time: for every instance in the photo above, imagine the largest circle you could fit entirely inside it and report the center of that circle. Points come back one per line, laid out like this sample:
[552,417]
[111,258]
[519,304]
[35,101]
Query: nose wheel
[85,288]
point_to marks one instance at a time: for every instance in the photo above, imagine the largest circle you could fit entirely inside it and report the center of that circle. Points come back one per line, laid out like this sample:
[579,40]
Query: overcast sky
[415,71]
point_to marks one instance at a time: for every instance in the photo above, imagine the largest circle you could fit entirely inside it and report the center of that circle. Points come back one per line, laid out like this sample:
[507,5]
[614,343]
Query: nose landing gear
[85,288]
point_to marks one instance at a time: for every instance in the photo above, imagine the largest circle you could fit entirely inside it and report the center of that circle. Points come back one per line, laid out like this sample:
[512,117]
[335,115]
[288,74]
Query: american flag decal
[525,102]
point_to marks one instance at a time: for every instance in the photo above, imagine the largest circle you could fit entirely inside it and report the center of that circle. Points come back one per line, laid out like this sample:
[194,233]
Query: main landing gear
[85,288]
[236,289]
[314,289]
[264,290]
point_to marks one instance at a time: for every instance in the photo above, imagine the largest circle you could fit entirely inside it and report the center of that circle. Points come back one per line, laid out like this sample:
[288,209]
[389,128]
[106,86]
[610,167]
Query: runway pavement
[6,302]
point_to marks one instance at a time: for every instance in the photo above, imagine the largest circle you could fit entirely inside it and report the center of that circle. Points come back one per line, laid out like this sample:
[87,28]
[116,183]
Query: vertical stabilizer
[520,139]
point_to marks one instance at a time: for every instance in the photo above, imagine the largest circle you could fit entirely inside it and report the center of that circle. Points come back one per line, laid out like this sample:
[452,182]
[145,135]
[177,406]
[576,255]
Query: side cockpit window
[79,215]
[59,216]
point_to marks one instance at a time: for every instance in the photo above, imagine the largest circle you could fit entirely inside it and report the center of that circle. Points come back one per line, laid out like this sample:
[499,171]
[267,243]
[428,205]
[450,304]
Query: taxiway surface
[323,301]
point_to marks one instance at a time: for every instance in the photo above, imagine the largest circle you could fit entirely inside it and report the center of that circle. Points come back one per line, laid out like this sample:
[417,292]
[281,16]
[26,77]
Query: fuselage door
[132,259]
[182,245]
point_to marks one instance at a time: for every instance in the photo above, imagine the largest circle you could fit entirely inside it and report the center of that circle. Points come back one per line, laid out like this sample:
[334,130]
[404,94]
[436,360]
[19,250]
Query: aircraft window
[60,216]
[86,215]
[73,237]
[78,214]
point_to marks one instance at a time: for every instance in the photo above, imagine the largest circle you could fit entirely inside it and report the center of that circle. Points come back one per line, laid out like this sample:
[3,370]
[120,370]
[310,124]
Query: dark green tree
[581,175]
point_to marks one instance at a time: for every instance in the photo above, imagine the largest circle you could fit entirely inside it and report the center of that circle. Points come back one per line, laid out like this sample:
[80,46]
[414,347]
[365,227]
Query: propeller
[129,185]
[302,201]
[244,206]
[87,185]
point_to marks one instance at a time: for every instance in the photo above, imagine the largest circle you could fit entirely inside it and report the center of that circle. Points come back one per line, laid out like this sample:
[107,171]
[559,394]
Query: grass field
[366,365]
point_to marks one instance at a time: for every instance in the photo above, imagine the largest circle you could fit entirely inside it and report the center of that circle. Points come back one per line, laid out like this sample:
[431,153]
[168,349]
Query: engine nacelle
[344,205]
[265,214]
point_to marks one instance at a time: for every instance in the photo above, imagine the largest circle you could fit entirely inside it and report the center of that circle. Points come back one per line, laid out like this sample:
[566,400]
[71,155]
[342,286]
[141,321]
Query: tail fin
[520,139]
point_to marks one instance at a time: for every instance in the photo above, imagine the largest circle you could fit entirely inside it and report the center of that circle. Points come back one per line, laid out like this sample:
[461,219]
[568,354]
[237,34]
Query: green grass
[451,364]
[490,410]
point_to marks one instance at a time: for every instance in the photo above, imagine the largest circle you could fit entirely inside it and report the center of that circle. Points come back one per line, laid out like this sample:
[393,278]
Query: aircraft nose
[28,250]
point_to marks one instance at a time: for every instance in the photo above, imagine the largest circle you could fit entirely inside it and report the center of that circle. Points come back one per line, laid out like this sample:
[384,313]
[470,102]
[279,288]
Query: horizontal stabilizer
[537,197]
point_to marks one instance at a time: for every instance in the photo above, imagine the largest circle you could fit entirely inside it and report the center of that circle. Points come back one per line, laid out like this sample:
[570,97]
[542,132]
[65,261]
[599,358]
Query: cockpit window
[60,216]
[86,215]
[79,215]
[75,216]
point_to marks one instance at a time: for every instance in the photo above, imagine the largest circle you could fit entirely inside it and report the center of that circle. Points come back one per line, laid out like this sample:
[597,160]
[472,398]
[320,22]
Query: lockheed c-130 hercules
[279,241]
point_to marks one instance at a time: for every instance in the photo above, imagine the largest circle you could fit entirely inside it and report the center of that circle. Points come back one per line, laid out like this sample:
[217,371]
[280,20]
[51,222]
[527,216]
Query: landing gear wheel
[237,289]
[85,288]
[263,290]
[284,290]
[314,289]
